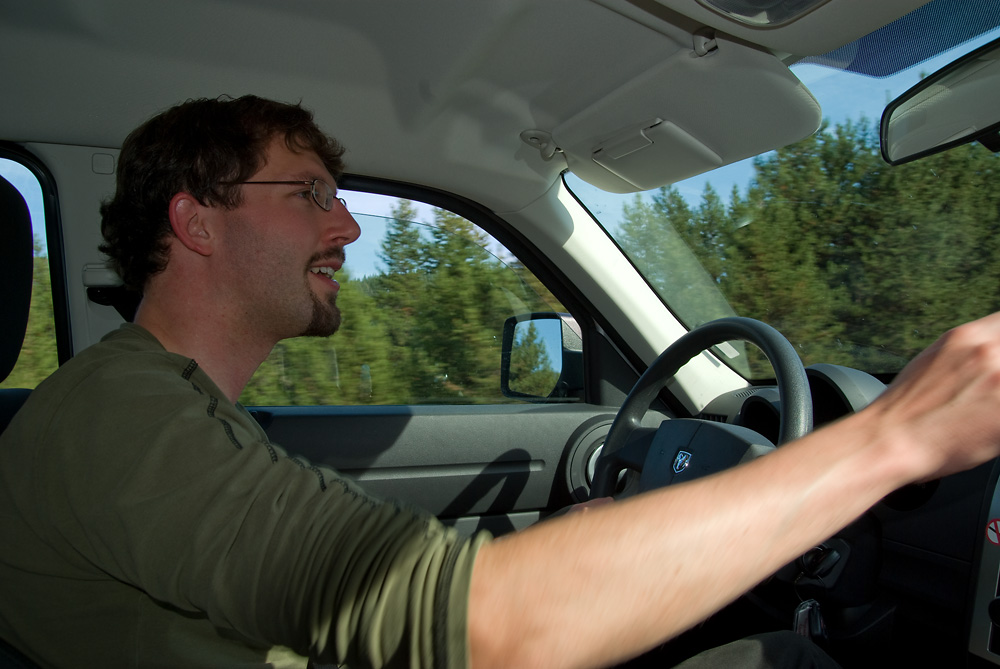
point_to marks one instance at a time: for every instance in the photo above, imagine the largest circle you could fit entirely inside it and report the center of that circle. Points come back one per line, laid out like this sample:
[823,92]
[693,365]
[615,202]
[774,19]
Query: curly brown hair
[202,147]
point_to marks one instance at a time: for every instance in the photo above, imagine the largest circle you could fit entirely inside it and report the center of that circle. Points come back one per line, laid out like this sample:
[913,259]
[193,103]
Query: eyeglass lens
[323,194]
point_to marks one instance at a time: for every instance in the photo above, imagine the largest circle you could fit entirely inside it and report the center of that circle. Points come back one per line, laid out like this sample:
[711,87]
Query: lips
[325,265]
[325,274]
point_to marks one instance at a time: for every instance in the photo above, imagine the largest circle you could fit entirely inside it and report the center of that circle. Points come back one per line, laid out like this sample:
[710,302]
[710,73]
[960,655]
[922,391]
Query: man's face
[282,248]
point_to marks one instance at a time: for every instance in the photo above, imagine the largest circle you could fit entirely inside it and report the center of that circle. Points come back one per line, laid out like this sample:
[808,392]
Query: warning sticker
[993,531]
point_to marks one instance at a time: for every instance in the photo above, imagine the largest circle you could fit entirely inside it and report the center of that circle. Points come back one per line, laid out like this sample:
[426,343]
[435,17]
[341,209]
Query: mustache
[332,253]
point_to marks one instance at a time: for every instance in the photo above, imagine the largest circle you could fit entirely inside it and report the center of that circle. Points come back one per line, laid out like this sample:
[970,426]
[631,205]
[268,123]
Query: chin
[325,320]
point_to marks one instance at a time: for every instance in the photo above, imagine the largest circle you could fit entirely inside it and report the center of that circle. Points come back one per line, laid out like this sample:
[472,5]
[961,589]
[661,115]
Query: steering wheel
[686,448]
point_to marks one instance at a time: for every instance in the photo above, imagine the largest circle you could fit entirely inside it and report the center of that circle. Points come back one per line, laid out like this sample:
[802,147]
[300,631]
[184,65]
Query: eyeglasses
[321,191]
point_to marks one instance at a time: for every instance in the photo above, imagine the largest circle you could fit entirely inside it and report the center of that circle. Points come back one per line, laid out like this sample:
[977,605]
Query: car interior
[524,328]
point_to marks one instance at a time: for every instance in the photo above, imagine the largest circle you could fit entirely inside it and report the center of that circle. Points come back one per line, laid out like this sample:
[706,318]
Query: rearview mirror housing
[958,104]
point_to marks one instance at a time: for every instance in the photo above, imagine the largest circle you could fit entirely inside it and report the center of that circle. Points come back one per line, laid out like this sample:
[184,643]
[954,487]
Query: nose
[341,229]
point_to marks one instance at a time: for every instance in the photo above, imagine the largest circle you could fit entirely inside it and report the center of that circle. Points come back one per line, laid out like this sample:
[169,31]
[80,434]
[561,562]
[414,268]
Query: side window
[424,298]
[39,356]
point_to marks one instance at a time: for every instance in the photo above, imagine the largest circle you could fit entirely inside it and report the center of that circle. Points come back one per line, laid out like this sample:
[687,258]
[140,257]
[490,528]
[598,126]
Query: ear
[191,223]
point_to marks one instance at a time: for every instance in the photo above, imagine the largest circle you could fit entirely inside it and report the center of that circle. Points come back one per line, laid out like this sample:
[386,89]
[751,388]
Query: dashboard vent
[718,418]
[743,394]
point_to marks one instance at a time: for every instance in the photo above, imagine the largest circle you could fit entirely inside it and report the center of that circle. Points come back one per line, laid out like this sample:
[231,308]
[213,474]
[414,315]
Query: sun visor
[688,115]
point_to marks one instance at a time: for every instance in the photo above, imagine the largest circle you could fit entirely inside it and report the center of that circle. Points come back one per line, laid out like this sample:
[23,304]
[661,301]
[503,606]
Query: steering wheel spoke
[684,449]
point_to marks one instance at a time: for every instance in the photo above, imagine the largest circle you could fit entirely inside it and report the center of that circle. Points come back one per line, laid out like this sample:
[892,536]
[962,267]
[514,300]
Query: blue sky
[26,183]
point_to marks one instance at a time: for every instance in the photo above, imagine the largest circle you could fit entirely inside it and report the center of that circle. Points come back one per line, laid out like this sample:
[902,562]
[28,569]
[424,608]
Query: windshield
[856,262]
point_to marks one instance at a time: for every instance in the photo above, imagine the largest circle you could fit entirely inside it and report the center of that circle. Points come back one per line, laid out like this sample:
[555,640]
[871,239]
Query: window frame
[53,241]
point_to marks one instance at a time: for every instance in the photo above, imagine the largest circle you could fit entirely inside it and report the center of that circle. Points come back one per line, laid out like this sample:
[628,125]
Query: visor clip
[704,42]
[542,141]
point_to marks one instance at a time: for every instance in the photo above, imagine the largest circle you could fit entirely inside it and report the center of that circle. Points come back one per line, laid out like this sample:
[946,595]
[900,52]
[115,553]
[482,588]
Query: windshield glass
[856,262]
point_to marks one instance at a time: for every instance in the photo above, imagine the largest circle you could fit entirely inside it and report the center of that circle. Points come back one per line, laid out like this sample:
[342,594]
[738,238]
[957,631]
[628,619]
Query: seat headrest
[15,274]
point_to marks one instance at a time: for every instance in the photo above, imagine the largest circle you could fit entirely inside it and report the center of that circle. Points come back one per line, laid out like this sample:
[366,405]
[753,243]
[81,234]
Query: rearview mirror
[958,104]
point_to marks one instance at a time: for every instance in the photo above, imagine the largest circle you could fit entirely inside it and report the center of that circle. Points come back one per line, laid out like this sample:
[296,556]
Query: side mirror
[542,358]
[958,104]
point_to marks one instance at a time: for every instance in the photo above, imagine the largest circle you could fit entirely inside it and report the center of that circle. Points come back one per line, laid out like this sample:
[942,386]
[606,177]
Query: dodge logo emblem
[682,461]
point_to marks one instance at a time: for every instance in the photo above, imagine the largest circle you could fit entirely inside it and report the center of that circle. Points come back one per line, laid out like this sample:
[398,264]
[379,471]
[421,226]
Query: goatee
[325,318]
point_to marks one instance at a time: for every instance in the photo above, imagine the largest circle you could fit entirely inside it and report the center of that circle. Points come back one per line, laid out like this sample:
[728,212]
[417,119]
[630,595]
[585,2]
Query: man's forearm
[589,589]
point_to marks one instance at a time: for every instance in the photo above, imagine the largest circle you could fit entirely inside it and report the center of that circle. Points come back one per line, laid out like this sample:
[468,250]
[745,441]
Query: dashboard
[836,392]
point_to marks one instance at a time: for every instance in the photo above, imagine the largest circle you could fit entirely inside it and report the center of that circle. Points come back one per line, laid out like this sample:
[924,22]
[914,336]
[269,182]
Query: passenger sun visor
[667,124]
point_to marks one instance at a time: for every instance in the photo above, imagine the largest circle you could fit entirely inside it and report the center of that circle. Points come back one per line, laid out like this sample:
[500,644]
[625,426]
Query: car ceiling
[437,93]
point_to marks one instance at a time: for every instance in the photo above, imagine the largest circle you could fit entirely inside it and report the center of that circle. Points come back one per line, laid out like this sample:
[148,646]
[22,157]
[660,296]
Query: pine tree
[531,369]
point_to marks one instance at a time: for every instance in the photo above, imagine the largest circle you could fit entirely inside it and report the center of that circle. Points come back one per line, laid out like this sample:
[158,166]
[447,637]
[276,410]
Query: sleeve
[176,491]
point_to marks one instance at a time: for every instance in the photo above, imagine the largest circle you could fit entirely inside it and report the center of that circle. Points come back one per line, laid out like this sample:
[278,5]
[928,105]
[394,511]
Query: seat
[15,277]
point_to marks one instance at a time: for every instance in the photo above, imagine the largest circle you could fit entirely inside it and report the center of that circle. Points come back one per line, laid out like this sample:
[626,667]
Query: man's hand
[946,403]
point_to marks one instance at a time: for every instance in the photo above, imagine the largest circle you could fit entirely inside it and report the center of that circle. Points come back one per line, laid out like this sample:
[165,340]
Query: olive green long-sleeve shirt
[147,521]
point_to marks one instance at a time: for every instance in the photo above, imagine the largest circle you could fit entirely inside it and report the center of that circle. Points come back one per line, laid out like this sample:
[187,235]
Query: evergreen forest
[856,262]
[426,329]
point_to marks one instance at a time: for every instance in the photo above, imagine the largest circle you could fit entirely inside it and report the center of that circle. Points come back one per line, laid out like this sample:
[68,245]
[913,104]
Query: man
[147,520]
[143,508]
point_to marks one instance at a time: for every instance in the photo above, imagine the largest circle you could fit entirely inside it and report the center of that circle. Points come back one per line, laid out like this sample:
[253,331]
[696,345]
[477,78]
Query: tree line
[857,263]
[425,329]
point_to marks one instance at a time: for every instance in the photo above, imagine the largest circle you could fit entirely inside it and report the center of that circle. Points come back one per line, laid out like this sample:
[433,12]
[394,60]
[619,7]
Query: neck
[229,355]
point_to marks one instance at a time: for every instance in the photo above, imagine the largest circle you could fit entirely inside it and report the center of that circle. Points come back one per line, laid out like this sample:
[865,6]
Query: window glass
[39,356]
[424,296]
[857,263]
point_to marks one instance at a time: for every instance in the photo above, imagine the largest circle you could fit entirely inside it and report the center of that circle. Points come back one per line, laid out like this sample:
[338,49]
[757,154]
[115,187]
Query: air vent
[717,417]
[743,394]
